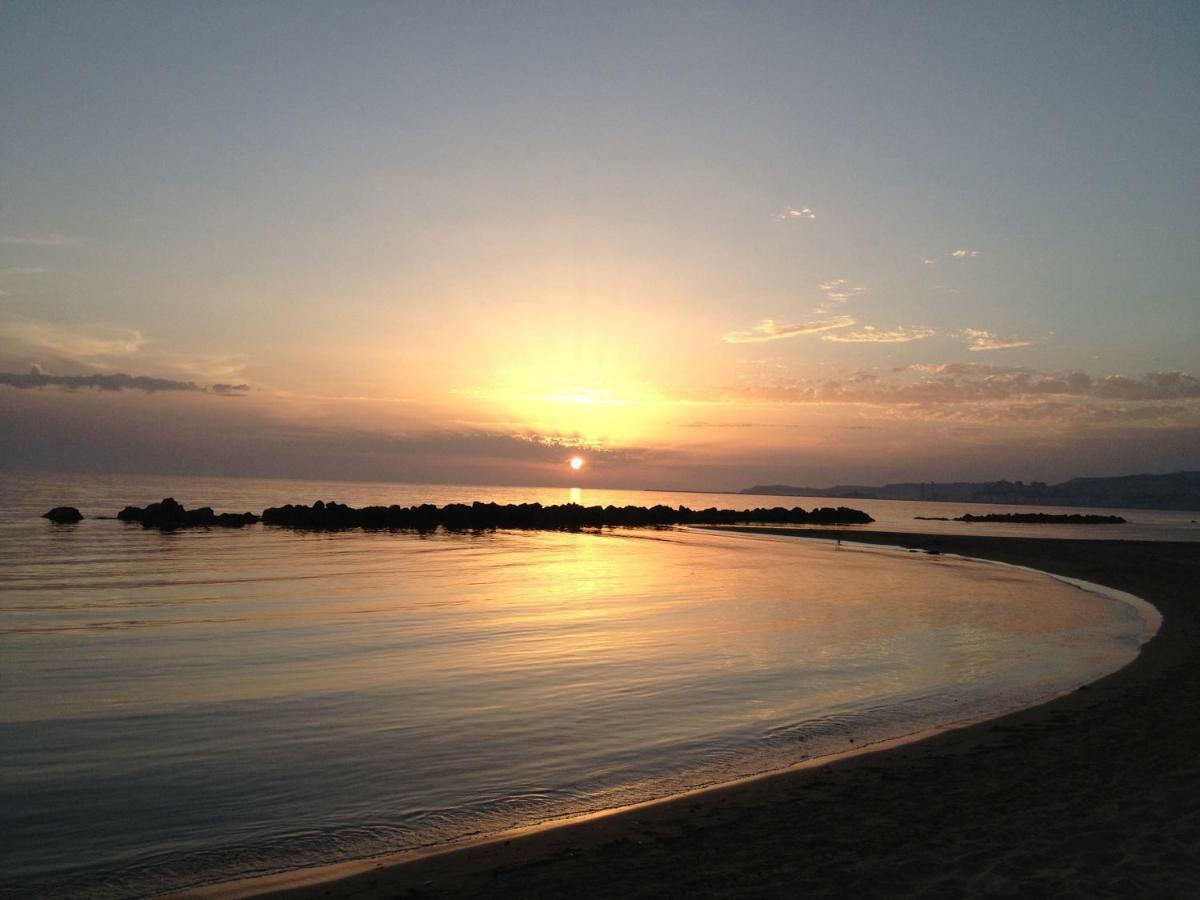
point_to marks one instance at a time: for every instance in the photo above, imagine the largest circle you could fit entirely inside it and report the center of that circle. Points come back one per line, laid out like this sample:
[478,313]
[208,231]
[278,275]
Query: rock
[63,515]
[1044,518]
[322,516]
[169,514]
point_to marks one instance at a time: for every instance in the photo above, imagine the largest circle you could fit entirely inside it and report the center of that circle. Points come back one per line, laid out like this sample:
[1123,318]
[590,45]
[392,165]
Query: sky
[701,245]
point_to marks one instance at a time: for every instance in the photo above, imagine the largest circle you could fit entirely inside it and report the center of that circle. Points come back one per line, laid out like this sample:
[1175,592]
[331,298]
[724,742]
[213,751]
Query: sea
[191,708]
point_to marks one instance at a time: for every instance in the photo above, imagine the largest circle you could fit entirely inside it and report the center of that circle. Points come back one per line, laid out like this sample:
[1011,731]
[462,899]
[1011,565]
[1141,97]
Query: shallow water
[184,708]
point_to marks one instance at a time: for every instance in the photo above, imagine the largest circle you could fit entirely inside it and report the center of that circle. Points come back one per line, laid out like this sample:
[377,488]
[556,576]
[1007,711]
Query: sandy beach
[1094,794]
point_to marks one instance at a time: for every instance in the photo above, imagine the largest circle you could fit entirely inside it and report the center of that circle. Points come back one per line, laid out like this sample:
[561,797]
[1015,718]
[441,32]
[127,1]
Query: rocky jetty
[567,517]
[63,515]
[170,515]
[1032,518]
[1044,518]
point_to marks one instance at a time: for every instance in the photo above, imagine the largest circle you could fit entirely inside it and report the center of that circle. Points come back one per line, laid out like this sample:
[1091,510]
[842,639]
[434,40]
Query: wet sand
[1094,794]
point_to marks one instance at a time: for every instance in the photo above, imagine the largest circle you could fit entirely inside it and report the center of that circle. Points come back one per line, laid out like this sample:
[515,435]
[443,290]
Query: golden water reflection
[419,689]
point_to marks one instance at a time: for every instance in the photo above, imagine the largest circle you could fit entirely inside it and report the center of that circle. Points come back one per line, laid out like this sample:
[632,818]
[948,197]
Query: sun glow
[576,463]
[595,406]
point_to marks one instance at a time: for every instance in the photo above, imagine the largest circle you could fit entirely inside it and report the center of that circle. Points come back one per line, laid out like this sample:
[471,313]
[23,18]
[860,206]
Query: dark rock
[1044,518]
[478,516]
[63,515]
[169,515]
[235,520]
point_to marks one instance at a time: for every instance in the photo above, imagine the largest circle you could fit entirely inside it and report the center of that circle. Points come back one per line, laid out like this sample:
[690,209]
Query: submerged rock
[63,515]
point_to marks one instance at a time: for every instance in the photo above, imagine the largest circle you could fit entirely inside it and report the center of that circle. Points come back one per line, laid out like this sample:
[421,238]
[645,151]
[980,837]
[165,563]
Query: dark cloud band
[116,381]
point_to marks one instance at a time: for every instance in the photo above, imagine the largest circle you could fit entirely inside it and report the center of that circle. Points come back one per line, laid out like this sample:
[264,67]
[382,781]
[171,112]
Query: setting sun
[576,463]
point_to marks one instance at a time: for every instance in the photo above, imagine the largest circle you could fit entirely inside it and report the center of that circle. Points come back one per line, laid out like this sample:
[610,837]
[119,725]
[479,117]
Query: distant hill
[1178,490]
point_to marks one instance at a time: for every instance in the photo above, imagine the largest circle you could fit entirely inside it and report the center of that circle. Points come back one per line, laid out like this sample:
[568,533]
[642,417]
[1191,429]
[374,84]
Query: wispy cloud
[960,255]
[37,240]
[74,342]
[24,270]
[971,369]
[796,215]
[872,335]
[770,330]
[838,291]
[978,339]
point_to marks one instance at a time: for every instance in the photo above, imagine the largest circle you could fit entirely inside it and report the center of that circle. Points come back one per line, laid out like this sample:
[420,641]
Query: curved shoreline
[1148,612]
[577,854]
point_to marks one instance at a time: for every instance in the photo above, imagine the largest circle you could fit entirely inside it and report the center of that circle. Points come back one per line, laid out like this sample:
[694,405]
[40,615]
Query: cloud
[870,334]
[117,381]
[46,429]
[37,378]
[931,385]
[838,291]
[230,390]
[37,240]
[1154,386]
[770,330]
[961,255]
[795,215]
[964,369]
[76,342]
[24,270]
[978,339]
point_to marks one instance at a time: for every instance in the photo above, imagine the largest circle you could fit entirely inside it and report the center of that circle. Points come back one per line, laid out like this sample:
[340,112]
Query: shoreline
[1149,614]
[810,824]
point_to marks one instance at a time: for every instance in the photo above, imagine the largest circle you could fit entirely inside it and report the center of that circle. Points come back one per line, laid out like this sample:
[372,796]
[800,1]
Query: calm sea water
[179,709]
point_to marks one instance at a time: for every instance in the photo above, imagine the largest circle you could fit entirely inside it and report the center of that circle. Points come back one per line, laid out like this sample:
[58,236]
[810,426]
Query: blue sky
[705,243]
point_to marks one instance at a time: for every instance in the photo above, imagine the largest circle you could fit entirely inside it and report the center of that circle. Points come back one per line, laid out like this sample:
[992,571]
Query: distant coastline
[1174,491]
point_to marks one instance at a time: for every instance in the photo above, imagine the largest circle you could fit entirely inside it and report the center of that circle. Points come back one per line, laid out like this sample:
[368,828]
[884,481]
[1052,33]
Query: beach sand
[1094,794]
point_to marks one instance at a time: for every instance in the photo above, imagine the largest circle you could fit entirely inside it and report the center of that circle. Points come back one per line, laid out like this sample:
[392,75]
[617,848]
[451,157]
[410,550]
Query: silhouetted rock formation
[1043,518]
[63,515]
[568,517]
[170,515]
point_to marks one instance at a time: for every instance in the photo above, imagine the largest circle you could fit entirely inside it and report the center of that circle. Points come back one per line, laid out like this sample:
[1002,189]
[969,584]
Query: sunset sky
[698,245]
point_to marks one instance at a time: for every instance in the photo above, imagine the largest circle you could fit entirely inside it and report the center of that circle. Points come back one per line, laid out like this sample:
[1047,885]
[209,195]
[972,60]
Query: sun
[576,463]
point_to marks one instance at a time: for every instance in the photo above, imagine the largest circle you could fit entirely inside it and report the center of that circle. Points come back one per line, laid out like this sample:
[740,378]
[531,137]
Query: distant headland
[170,515]
[1178,490]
